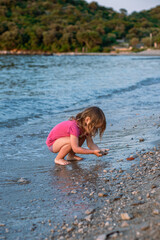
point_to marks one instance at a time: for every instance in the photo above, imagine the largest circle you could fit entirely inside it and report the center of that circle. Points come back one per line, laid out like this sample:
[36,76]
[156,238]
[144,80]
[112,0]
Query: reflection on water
[74,186]
[73,176]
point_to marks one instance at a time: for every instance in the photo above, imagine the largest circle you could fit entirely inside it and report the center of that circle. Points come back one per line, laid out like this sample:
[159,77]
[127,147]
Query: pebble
[155,212]
[102,194]
[107,224]
[153,186]
[136,203]
[101,237]
[70,229]
[91,194]
[73,191]
[120,160]
[110,228]
[117,198]
[124,224]
[130,158]
[125,216]
[88,218]
[80,230]
[148,195]
[23,181]
[2,225]
[80,224]
[135,192]
[89,211]
[145,226]
[114,235]
[141,140]
[76,222]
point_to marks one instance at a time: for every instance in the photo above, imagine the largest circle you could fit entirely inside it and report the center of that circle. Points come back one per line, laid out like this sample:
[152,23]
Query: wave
[146,82]
[74,107]
[144,58]
[18,121]
[110,93]
[88,101]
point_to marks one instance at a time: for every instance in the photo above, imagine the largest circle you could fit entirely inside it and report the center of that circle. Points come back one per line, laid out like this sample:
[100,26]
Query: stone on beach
[73,191]
[23,181]
[141,140]
[2,225]
[126,216]
[89,211]
[145,226]
[70,229]
[130,158]
[88,218]
[101,237]
[102,194]
[124,224]
[155,212]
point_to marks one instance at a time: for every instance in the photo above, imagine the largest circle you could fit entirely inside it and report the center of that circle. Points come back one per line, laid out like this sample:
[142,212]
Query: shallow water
[36,93]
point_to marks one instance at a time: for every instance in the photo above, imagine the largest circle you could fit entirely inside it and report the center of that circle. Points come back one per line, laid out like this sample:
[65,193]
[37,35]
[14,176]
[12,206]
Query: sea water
[36,93]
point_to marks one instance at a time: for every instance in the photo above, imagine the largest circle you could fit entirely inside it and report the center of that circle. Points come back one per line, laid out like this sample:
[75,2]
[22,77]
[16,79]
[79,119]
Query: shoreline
[129,205]
[148,52]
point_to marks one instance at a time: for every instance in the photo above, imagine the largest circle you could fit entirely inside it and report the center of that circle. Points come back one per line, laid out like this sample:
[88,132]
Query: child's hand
[98,153]
[104,151]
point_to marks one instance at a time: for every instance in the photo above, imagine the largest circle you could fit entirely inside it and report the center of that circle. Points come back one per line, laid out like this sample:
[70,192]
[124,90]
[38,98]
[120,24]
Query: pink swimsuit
[63,129]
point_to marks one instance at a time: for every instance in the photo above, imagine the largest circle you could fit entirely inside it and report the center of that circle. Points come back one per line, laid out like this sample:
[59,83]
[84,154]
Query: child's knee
[68,146]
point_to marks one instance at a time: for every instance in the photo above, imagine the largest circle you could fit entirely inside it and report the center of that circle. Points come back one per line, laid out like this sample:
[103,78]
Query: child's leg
[71,154]
[63,147]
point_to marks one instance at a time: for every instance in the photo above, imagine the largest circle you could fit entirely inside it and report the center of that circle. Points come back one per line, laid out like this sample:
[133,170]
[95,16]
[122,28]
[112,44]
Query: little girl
[67,137]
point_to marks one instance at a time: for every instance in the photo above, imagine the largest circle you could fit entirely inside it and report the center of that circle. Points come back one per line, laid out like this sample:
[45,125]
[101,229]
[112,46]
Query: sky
[129,5]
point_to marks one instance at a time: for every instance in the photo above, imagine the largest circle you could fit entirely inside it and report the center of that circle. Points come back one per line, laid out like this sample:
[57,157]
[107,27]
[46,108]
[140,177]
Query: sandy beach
[132,211]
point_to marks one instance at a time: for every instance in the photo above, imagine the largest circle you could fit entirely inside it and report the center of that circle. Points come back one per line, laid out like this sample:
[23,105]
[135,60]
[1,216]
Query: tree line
[73,25]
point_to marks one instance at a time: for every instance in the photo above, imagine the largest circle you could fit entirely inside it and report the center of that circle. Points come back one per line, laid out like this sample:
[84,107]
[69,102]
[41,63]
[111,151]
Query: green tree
[134,42]
[68,25]
[146,41]
[88,38]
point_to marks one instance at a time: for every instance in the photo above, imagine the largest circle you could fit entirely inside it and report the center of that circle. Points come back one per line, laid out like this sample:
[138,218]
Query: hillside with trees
[73,25]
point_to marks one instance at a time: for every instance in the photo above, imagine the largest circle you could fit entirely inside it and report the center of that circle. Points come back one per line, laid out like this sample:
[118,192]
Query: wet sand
[129,204]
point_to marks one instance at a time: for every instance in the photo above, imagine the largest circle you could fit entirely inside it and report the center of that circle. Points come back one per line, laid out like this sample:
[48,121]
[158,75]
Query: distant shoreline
[148,52]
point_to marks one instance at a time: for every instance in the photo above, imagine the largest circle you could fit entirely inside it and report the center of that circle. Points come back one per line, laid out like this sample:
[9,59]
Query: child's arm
[92,145]
[77,149]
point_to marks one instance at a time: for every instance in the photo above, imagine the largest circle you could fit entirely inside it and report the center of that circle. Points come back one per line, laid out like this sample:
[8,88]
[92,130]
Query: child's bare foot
[74,157]
[61,161]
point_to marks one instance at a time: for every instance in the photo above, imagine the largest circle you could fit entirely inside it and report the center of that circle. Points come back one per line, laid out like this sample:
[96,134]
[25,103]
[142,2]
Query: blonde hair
[97,120]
